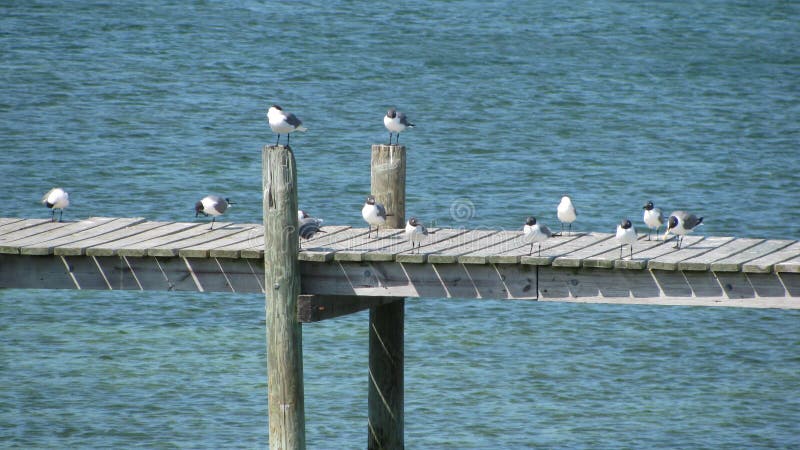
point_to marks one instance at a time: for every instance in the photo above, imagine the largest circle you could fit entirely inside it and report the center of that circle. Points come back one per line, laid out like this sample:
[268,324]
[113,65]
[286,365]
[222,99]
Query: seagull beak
[665,234]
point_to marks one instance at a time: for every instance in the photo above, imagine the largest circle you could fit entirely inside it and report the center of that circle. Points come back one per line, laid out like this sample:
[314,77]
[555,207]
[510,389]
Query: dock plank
[734,263]
[610,259]
[461,244]
[194,238]
[138,245]
[670,261]
[441,241]
[243,236]
[570,254]
[703,262]
[136,234]
[74,243]
[507,248]
[766,263]
[13,225]
[12,242]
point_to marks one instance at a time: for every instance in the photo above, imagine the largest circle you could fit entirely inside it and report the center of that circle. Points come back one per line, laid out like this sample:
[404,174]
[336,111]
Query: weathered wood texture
[456,263]
[386,322]
[282,283]
[388,181]
[385,399]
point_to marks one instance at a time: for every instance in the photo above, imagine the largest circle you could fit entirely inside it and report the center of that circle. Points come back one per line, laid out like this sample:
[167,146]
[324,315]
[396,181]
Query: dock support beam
[282,287]
[386,322]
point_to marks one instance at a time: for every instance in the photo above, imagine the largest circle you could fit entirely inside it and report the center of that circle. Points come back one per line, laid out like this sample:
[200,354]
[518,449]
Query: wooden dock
[133,253]
[343,271]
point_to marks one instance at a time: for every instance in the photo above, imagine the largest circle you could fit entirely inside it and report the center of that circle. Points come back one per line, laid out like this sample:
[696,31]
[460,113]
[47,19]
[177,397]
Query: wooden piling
[386,322]
[282,287]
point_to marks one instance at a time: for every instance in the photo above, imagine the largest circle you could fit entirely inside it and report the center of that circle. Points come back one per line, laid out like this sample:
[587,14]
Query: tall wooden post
[282,286]
[386,322]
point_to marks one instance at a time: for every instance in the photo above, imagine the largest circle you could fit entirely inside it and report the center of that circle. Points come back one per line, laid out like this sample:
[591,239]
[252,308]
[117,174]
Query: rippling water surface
[141,108]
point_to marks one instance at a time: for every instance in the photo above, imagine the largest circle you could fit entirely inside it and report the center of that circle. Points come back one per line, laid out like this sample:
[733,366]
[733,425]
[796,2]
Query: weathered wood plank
[79,247]
[19,225]
[382,248]
[75,243]
[792,265]
[136,243]
[239,234]
[11,242]
[703,261]
[233,250]
[610,259]
[506,247]
[652,249]
[315,308]
[766,263]
[324,248]
[670,261]
[162,236]
[442,240]
[734,263]
[561,246]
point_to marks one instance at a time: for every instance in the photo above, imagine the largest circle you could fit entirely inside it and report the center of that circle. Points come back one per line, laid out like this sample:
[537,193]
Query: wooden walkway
[133,253]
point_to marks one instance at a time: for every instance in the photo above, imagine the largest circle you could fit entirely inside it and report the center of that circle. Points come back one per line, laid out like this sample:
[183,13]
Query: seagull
[652,218]
[396,122]
[301,214]
[415,232]
[308,226]
[626,234]
[283,123]
[681,223]
[54,199]
[212,205]
[374,214]
[566,212]
[535,232]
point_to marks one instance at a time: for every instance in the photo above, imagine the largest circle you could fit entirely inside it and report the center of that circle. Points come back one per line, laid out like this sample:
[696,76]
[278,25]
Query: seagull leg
[531,251]
[212,223]
[540,248]
[390,138]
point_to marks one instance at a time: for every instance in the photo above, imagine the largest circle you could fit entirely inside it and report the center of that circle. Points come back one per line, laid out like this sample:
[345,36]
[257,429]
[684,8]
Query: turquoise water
[141,108]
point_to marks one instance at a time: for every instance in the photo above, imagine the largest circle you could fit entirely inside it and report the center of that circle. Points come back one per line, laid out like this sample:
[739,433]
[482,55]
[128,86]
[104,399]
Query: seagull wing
[292,120]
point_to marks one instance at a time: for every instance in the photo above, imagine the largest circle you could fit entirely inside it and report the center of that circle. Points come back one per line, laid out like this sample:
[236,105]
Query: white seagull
[374,214]
[396,122]
[566,212]
[626,235]
[681,223]
[415,233]
[283,123]
[534,232]
[652,218]
[54,199]
[212,205]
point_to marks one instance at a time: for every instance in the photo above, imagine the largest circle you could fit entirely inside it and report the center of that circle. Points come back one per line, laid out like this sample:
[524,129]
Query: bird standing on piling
[534,232]
[415,233]
[54,199]
[626,235]
[566,212]
[283,123]
[653,218]
[681,223]
[212,205]
[374,214]
[395,122]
